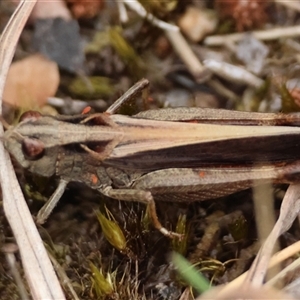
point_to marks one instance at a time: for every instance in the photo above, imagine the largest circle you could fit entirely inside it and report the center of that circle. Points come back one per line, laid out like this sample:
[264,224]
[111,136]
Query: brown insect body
[170,154]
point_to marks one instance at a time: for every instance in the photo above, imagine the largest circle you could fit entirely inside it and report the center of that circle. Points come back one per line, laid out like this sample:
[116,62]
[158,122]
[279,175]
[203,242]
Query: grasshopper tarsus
[171,234]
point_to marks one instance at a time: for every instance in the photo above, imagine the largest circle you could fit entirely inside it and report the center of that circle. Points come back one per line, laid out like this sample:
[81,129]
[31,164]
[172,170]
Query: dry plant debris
[246,58]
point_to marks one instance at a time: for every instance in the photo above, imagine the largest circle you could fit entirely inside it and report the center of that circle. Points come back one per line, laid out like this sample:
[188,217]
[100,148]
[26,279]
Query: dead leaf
[31,81]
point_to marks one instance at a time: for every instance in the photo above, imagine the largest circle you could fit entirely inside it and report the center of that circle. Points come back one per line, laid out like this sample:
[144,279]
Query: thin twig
[266,35]
[233,73]
[185,52]
[140,10]
[10,250]
[122,12]
[63,276]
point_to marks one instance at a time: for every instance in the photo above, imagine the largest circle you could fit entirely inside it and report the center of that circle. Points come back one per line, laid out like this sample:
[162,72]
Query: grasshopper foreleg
[48,207]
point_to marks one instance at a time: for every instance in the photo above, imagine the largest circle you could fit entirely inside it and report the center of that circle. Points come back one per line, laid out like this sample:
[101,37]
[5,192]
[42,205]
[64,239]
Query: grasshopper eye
[30,115]
[33,149]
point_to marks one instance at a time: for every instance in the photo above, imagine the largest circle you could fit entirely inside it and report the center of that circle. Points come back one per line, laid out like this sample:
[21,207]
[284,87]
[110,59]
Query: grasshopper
[173,154]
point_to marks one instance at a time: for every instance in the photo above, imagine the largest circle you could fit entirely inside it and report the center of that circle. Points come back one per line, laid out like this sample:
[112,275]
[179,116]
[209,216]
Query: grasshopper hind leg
[144,197]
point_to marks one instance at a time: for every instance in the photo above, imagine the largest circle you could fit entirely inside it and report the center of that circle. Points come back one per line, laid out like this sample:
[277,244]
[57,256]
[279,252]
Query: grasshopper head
[29,151]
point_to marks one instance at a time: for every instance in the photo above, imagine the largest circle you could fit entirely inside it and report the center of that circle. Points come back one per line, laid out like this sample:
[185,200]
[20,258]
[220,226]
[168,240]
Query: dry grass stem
[266,35]
[288,213]
[9,250]
[265,216]
[39,272]
[233,73]
[275,260]
[278,277]
[185,52]
[140,10]
[122,12]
